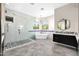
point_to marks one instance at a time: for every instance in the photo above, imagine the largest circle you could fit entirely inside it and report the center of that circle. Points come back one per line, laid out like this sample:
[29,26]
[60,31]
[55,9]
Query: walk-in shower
[17,26]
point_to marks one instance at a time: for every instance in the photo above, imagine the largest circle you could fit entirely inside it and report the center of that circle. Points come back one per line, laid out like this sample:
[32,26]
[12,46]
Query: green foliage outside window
[45,26]
[36,27]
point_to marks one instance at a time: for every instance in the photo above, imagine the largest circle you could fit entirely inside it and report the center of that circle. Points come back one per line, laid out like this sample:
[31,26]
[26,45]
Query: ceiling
[35,9]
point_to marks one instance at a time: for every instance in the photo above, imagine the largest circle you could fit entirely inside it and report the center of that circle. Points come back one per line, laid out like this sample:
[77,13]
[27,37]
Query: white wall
[2,17]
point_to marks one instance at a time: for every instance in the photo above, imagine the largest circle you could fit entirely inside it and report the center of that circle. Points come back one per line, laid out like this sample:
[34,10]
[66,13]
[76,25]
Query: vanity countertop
[66,33]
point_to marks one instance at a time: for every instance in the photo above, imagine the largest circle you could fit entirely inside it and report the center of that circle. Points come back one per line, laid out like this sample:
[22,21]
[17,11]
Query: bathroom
[36,27]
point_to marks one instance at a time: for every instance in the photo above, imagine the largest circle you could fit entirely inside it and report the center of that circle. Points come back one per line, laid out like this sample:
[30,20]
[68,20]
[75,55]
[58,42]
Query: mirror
[63,24]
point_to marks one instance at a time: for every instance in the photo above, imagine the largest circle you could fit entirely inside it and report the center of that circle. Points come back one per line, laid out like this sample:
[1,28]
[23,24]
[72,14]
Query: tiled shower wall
[20,20]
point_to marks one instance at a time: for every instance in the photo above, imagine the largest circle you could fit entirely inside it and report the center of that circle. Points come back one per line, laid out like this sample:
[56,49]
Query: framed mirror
[63,24]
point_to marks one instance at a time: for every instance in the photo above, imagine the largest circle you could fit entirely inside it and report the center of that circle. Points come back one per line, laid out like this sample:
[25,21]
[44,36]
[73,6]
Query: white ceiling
[35,9]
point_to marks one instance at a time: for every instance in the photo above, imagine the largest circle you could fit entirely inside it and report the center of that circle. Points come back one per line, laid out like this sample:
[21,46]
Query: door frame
[0,32]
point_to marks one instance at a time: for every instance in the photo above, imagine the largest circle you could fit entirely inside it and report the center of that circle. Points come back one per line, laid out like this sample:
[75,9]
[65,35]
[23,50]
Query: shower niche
[9,19]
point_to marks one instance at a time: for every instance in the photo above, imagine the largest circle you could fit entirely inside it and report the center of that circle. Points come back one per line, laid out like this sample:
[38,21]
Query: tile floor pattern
[17,43]
[42,48]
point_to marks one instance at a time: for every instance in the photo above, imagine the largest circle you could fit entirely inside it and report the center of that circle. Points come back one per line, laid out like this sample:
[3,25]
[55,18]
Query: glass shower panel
[17,32]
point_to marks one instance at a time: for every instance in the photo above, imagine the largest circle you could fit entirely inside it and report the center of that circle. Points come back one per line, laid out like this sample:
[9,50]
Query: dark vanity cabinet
[65,39]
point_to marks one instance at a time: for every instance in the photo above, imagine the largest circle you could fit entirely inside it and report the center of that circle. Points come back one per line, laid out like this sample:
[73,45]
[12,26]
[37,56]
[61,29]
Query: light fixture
[32,3]
[42,8]
[41,12]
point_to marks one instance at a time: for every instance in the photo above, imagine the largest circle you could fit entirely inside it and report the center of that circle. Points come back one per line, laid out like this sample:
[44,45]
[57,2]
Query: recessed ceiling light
[32,3]
[42,8]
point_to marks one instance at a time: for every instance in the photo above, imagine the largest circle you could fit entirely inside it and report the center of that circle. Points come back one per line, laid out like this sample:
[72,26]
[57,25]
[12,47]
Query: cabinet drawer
[65,39]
